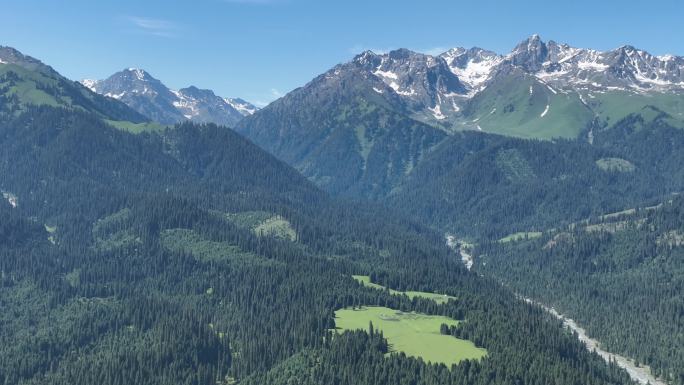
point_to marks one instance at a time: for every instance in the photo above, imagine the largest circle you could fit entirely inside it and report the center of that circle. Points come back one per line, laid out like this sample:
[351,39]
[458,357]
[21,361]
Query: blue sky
[260,49]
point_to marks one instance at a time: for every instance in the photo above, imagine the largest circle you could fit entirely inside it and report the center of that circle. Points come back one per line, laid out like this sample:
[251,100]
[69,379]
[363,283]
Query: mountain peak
[139,73]
[198,93]
[150,97]
[9,55]
[366,58]
[529,54]
[401,53]
[628,47]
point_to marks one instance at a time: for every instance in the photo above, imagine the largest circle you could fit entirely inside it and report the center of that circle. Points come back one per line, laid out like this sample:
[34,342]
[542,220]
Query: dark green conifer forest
[92,291]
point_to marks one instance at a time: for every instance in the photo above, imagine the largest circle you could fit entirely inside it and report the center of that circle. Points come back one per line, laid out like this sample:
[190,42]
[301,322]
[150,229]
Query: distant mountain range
[388,126]
[536,84]
[150,97]
[189,254]
[366,129]
[25,81]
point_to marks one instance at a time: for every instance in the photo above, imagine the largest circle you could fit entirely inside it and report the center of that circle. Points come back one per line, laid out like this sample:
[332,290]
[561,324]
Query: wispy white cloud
[276,93]
[154,27]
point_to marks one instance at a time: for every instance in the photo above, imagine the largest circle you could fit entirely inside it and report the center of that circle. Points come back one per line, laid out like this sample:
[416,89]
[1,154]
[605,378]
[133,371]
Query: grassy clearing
[439,298]
[613,227]
[627,212]
[248,219]
[263,223]
[277,227]
[415,334]
[136,128]
[520,236]
[615,164]
[114,232]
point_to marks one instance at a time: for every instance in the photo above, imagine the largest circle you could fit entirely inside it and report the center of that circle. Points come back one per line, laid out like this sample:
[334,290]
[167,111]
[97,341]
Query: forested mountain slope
[619,276]
[25,81]
[165,257]
[342,134]
[456,140]
[482,185]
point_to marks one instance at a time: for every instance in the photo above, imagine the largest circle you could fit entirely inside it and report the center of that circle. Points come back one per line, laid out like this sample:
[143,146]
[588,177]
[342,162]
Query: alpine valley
[156,236]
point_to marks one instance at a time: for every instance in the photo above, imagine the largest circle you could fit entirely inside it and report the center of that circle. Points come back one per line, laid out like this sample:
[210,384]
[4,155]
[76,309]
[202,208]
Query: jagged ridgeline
[583,132]
[150,97]
[189,255]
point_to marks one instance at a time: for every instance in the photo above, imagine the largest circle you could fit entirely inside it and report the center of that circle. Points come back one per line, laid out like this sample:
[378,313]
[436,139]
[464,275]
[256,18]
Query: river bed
[641,374]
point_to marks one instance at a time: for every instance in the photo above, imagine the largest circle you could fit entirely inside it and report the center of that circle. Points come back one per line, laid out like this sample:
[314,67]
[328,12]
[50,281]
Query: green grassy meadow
[517,107]
[136,128]
[439,298]
[414,334]
[263,223]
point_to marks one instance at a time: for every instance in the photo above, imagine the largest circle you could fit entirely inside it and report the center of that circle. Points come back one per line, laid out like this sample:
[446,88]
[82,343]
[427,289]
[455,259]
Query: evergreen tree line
[620,278]
[91,293]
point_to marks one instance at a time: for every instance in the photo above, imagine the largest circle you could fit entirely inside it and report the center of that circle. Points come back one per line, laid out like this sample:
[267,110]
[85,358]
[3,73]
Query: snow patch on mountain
[187,105]
[115,96]
[243,107]
[473,67]
[410,92]
[625,68]
[437,112]
[386,74]
[139,74]
[90,84]
[546,110]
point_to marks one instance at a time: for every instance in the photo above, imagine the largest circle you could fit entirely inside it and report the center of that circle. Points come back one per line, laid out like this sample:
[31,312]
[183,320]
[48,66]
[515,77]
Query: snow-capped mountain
[149,96]
[625,68]
[425,83]
[439,89]
[472,66]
